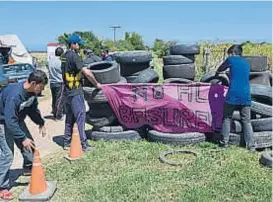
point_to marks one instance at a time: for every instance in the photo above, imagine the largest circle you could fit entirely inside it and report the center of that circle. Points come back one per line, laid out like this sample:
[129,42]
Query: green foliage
[161,48]
[131,171]
[131,41]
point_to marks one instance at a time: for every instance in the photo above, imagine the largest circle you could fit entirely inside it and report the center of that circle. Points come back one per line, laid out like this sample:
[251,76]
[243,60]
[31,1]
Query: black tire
[262,109]
[105,72]
[264,124]
[257,63]
[176,139]
[125,135]
[93,95]
[100,110]
[262,78]
[146,76]
[176,60]
[261,93]
[266,159]
[133,57]
[110,129]
[100,122]
[236,127]
[208,76]
[211,77]
[261,139]
[185,71]
[133,69]
[163,156]
[130,79]
[221,80]
[184,49]
[177,80]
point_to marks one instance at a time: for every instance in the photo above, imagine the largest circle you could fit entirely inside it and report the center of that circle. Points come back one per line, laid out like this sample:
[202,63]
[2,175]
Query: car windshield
[17,68]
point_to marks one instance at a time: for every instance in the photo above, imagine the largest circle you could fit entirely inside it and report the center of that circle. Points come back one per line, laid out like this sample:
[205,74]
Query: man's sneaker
[223,145]
[66,147]
[88,148]
[27,171]
[251,149]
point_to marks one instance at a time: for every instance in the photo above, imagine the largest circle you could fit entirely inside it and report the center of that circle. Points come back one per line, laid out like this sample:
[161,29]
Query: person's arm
[225,65]
[89,75]
[11,119]
[35,114]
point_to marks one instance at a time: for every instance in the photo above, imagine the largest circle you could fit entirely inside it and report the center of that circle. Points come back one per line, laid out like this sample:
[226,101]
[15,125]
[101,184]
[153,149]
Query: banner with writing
[174,108]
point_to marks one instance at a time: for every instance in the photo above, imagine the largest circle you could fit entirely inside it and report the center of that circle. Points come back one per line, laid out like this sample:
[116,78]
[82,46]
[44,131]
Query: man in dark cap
[72,69]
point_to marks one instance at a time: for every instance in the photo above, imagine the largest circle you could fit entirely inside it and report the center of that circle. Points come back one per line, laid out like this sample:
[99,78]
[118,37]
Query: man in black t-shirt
[72,69]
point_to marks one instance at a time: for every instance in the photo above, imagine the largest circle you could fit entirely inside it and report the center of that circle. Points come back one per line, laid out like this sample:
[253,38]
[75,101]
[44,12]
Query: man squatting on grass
[16,102]
[238,95]
[72,67]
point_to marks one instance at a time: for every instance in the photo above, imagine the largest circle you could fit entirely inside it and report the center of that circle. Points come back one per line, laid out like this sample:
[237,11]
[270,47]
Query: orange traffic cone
[76,147]
[39,189]
[37,181]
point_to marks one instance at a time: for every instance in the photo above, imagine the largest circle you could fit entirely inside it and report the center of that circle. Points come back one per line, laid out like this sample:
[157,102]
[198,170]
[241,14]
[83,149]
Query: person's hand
[98,86]
[42,130]
[28,144]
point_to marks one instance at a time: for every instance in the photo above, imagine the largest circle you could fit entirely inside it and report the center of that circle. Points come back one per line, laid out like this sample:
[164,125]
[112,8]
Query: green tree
[161,48]
[91,40]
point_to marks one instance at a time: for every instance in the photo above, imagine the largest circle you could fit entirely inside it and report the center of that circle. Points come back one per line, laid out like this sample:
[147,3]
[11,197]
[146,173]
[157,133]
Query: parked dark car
[3,79]
[17,72]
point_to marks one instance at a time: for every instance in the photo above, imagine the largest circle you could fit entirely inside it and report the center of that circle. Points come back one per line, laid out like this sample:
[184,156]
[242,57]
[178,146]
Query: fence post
[225,52]
[206,59]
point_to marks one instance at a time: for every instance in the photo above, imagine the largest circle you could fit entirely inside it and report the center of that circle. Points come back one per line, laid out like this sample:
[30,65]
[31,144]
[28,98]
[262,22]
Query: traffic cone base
[45,196]
[38,189]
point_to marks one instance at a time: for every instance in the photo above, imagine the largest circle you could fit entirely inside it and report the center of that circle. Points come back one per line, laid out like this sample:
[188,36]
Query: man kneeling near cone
[16,102]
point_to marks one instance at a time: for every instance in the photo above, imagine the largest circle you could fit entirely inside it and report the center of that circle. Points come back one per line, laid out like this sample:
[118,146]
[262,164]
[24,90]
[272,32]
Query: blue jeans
[75,113]
[245,117]
[27,154]
[6,158]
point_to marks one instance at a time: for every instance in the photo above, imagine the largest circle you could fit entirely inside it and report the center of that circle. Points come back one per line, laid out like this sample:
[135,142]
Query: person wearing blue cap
[72,70]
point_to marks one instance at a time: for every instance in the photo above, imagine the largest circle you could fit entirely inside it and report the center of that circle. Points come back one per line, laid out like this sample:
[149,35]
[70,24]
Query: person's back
[238,96]
[55,71]
[56,83]
[239,88]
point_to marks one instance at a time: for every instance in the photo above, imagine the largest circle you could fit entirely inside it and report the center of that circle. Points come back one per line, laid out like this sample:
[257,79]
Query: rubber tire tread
[185,71]
[117,136]
[182,49]
[176,60]
[266,159]
[176,139]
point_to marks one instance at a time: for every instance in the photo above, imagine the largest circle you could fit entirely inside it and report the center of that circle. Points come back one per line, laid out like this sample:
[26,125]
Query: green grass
[131,171]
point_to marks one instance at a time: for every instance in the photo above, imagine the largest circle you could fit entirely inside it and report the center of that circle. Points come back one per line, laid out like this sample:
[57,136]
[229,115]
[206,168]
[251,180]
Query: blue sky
[38,23]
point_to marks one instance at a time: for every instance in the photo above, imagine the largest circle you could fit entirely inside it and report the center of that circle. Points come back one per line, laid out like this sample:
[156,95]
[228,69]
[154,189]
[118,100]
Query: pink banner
[174,108]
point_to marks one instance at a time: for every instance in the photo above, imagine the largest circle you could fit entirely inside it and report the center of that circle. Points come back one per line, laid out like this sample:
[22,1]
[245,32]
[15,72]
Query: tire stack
[259,73]
[135,66]
[179,67]
[100,114]
[261,108]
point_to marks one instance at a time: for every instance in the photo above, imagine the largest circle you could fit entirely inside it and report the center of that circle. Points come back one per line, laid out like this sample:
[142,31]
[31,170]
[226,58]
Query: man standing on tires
[238,96]
[56,84]
[72,68]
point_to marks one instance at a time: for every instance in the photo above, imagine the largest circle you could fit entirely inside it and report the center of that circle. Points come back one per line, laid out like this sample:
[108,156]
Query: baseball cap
[74,38]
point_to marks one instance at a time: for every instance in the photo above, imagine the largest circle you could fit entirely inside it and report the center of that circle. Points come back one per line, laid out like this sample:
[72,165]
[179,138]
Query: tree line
[131,41]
